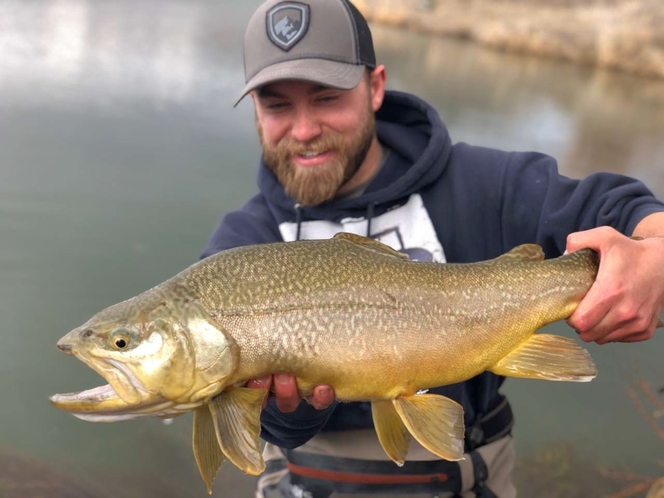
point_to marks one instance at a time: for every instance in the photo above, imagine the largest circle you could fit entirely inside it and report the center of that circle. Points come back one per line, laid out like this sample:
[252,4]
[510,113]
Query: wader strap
[349,475]
[490,427]
[481,474]
[272,466]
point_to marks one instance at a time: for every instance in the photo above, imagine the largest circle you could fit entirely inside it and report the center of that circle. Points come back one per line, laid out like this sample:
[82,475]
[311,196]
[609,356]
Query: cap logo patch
[287,23]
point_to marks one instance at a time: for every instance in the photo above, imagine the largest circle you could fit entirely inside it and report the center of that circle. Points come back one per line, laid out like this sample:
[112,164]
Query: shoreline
[623,35]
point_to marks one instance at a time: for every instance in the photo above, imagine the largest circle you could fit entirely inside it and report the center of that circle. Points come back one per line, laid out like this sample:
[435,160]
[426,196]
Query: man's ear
[377,79]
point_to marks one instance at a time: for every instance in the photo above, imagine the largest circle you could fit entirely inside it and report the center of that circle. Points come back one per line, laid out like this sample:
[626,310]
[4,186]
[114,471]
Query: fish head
[159,357]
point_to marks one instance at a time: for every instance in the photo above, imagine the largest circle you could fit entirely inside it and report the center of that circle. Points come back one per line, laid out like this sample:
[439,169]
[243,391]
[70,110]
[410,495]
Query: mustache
[331,141]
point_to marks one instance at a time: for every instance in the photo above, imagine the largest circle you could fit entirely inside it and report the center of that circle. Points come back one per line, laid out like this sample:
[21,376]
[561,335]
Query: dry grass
[626,35]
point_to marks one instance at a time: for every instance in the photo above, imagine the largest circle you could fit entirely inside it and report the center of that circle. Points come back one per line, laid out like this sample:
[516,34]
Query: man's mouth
[311,158]
[311,154]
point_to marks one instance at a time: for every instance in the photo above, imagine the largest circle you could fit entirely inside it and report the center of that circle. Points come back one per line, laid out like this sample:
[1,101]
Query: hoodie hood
[415,135]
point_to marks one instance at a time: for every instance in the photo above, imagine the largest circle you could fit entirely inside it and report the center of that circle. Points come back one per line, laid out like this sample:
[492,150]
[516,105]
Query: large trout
[349,312]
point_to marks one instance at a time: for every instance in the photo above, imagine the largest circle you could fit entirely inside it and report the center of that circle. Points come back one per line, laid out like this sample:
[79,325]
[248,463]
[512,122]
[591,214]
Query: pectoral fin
[207,452]
[548,357]
[236,413]
[435,421]
[392,433]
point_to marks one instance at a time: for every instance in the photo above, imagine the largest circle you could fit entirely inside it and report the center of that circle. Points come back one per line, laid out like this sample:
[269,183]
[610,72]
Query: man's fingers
[597,304]
[643,336]
[589,239]
[641,333]
[322,397]
[286,393]
[589,314]
[285,390]
[618,335]
[614,329]
[623,304]
[261,383]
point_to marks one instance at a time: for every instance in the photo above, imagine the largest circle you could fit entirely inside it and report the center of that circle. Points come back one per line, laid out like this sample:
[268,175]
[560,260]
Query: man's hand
[288,397]
[625,302]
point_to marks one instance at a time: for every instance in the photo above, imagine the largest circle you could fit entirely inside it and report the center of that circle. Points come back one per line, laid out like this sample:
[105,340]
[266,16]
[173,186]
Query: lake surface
[120,150]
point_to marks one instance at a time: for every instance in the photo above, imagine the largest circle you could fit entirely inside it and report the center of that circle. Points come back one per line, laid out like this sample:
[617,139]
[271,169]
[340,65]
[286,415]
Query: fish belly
[372,353]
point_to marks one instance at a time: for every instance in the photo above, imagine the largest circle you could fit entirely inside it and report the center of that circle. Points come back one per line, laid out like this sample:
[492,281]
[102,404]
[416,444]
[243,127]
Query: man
[342,154]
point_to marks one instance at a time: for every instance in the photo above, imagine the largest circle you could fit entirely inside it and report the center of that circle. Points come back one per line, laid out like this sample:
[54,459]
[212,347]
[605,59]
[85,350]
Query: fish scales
[298,309]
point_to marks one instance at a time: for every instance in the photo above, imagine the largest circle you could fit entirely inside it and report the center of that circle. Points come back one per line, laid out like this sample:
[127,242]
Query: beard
[311,186]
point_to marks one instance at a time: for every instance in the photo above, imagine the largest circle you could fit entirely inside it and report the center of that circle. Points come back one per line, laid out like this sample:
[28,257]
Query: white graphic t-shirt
[407,228]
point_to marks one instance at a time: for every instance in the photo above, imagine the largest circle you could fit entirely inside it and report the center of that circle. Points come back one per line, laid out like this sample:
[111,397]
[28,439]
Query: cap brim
[327,73]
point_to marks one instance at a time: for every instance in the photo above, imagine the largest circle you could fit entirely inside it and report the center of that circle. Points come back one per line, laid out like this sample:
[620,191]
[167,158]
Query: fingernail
[324,391]
[282,378]
[262,381]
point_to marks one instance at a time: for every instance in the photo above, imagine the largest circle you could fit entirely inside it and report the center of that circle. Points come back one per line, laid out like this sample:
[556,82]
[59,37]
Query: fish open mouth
[102,404]
[90,397]
[123,395]
[123,398]
[96,401]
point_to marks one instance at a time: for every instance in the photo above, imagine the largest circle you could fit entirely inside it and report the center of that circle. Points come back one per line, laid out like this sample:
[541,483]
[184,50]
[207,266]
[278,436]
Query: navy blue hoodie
[438,202]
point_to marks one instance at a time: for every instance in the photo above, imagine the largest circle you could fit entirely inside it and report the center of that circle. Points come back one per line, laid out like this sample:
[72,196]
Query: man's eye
[328,98]
[277,105]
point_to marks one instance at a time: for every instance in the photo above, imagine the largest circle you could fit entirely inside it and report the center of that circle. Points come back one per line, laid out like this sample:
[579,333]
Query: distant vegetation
[626,35]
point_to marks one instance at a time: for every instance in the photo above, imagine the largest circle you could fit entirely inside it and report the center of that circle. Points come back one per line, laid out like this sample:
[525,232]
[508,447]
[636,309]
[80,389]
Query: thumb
[587,239]
[579,240]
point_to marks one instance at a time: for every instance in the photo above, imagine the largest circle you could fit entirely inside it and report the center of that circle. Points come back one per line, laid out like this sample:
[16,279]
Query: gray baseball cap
[322,41]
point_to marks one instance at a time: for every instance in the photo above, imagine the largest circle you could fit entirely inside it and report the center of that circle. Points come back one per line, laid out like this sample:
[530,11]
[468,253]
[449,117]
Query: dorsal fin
[524,252]
[371,245]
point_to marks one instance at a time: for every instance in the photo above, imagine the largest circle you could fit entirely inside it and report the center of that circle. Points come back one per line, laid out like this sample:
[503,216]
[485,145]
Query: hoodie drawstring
[298,220]
[370,215]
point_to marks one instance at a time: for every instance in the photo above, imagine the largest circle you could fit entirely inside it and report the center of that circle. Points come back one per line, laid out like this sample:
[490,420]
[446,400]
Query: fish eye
[120,339]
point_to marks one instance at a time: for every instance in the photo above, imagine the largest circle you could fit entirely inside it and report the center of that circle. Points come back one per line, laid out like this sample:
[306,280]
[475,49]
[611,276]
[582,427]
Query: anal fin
[435,421]
[548,357]
[208,454]
[236,413]
[392,433]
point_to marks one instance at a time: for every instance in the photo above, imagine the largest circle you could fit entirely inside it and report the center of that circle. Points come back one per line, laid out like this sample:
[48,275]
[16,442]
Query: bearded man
[342,154]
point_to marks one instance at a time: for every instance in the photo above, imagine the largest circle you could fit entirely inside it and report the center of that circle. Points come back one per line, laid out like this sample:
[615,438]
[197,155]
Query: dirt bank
[620,34]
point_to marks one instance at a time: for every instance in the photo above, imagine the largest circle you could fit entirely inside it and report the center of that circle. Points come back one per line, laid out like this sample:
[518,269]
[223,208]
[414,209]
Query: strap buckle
[474,435]
[490,427]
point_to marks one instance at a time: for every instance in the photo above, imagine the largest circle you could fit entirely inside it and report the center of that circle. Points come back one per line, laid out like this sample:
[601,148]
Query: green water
[120,150]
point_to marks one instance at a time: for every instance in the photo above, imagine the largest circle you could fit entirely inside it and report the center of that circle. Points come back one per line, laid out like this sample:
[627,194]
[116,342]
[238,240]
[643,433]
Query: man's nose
[306,127]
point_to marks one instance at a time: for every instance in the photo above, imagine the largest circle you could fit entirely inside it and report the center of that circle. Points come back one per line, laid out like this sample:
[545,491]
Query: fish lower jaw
[102,404]
[165,411]
[102,399]
[90,397]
